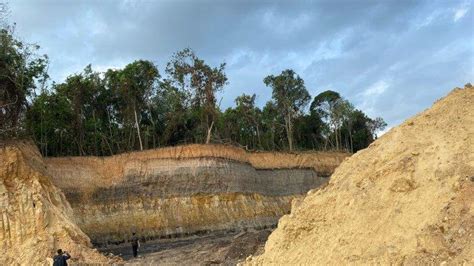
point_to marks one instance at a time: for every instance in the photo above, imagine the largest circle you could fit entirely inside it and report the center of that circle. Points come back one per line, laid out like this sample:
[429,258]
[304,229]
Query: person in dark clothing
[61,258]
[135,244]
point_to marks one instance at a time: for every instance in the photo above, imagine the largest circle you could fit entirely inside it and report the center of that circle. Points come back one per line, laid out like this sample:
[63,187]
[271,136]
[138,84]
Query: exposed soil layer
[406,199]
[35,217]
[185,190]
[160,194]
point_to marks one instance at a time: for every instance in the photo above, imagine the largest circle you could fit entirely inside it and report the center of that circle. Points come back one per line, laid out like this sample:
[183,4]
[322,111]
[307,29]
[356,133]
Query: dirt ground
[211,249]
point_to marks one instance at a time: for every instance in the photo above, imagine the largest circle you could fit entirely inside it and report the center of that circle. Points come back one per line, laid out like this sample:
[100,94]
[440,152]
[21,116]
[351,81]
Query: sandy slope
[408,198]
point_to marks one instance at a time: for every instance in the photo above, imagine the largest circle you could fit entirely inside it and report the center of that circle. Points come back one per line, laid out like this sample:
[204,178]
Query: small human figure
[61,258]
[135,244]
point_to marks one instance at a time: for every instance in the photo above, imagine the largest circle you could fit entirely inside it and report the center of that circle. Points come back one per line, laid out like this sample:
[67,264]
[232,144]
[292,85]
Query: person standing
[135,244]
[61,258]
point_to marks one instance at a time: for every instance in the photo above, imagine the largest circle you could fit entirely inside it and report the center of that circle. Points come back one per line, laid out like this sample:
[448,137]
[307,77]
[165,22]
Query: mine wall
[35,216]
[186,190]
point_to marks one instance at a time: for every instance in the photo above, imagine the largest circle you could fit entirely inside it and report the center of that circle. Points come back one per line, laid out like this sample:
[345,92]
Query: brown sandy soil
[35,217]
[211,249]
[406,199]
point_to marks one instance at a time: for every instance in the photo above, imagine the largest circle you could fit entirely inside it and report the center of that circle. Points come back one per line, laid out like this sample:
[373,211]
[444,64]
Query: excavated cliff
[406,199]
[35,217]
[185,190]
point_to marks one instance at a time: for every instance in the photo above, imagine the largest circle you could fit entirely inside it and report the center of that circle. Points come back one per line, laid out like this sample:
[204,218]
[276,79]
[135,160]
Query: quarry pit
[178,197]
[406,199]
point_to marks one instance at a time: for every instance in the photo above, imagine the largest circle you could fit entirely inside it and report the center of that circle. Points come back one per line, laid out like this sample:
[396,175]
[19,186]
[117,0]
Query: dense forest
[137,107]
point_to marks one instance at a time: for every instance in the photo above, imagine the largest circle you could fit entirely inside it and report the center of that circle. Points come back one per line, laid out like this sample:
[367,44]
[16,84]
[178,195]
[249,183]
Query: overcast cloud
[389,58]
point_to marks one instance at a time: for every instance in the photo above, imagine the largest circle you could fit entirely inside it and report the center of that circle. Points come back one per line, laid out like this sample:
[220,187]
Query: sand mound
[35,218]
[408,198]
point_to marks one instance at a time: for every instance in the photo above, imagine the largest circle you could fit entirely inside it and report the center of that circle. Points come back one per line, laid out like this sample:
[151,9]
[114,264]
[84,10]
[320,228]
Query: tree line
[137,107]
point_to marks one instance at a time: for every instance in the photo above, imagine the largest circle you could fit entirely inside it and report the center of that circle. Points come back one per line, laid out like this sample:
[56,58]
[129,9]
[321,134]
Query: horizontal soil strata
[185,190]
[108,170]
[173,217]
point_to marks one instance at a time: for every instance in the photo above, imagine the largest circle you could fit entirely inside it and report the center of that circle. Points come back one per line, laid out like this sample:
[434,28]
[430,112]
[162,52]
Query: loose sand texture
[406,199]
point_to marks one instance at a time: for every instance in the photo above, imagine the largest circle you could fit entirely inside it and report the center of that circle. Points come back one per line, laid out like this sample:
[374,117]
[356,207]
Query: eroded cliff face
[35,217]
[185,190]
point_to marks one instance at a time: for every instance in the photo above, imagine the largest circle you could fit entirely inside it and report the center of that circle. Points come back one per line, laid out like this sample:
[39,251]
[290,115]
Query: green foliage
[344,127]
[290,96]
[133,86]
[242,124]
[201,81]
[134,108]
[22,72]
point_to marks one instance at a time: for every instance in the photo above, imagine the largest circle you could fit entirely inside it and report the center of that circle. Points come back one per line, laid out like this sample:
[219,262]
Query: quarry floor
[211,249]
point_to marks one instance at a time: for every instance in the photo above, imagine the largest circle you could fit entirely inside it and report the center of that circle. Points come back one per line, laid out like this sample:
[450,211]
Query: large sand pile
[35,218]
[408,198]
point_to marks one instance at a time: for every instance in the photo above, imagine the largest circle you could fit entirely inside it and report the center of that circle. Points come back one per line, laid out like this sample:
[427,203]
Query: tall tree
[50,121]
[22,71]
[170,114]
[134,84]
[308,131]
[273,126]
[290,96]
[242,124]
[325,104]
[250,116]
[342,115]
[190,73]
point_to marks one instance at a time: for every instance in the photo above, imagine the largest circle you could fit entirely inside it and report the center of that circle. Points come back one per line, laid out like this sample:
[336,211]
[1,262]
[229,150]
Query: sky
[389,58]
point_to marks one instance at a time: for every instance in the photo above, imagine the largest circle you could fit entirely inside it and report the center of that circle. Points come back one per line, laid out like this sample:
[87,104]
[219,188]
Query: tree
[134,85]
[342,115]
[325,105]
[290,96]
[242,124]
[50,121]
[376,125]
[169,114]
[249,114]
[308,131]
[346,128]
[192,74]
[357,131]
[83,120]
[22,71]
[273,126]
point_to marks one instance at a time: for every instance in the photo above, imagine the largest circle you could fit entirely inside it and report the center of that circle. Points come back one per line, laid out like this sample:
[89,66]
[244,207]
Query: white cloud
[376,89]
[460,13]
[441,14]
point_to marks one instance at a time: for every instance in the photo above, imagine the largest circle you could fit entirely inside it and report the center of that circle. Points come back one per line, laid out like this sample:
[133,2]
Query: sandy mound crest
[408,198]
